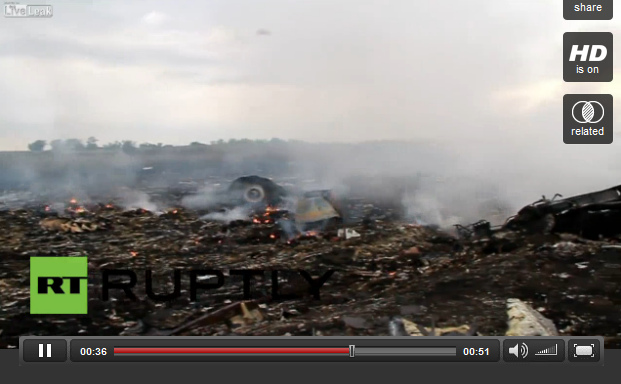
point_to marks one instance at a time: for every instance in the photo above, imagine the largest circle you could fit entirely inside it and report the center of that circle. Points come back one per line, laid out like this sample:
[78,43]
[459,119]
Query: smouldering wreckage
[309,211]
[554,268]
[592,216]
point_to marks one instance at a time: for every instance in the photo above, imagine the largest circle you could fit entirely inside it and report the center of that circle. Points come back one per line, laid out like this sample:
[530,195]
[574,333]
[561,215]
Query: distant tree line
[130,147]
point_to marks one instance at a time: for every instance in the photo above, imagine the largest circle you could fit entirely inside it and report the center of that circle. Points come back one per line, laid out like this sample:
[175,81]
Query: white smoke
[427,209]
[238,213]
[206,197]
[132,199]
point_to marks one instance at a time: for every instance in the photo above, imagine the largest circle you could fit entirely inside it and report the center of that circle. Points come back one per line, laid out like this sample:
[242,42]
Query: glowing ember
[174,211]
[272,236]
[80,210]
[109,206]
[256,221]
[311,233]
[47,208]
[73,201]
[134,254]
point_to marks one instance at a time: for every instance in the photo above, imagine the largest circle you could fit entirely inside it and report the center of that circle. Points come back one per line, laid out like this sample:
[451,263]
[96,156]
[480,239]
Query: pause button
[45,349]
[50,350]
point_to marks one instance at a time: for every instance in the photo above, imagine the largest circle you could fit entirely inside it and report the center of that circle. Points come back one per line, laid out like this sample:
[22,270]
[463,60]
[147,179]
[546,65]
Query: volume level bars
[550,351]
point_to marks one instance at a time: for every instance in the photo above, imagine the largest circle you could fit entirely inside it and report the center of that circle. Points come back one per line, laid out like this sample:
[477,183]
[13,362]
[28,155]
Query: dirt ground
[394,268]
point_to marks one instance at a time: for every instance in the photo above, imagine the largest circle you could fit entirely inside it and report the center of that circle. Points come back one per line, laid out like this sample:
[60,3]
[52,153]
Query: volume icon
[520,350]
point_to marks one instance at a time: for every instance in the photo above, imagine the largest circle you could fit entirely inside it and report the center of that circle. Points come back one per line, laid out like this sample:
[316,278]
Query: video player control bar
[586,351]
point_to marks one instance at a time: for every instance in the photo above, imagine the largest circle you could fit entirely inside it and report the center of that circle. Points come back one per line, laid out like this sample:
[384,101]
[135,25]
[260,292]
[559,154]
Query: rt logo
[58,285]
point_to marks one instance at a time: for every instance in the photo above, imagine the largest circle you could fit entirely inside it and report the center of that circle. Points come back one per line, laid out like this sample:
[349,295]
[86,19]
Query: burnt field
[387,269]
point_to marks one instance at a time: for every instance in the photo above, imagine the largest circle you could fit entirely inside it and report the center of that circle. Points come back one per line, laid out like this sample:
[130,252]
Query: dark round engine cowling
[255,191]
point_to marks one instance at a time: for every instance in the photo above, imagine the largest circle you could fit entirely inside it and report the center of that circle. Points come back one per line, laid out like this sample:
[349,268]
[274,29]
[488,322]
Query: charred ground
[396,267]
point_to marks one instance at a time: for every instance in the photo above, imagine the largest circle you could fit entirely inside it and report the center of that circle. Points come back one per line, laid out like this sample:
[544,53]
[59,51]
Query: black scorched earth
[553,269]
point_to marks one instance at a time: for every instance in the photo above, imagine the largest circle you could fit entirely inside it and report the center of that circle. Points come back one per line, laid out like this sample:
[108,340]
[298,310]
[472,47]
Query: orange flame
[73,201]
[134,254]
[272,236]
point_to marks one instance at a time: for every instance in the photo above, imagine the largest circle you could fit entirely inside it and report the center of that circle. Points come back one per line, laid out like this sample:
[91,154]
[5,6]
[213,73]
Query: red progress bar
[231,350]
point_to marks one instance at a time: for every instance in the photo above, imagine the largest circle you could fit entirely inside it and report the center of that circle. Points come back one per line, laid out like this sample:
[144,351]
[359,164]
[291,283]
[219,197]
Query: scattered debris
[396,327]
[247,316]
[68,225]
[347,233]
[525,321]
[390,266]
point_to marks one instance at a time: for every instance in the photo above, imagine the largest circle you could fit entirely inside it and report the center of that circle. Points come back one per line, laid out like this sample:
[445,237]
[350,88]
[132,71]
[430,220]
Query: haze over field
[478,83]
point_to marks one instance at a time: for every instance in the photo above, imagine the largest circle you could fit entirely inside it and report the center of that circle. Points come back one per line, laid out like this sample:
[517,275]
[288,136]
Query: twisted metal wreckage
[592,216]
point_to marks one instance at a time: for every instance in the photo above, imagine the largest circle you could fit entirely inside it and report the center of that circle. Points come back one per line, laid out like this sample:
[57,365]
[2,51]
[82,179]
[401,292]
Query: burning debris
[392,276]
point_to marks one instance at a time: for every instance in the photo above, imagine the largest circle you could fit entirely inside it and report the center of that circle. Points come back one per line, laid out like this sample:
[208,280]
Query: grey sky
[470,73]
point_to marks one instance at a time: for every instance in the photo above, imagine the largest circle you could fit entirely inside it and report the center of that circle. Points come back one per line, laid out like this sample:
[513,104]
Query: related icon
[550,351]
[587,119]
[519,350]
[48,349]
[584,350]
[589,113]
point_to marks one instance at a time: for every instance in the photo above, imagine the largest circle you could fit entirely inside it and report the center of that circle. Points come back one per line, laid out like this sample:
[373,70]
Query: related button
[587,9]
[587,56]
[529,350]
[587,119]
[583,350]
[51,350]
